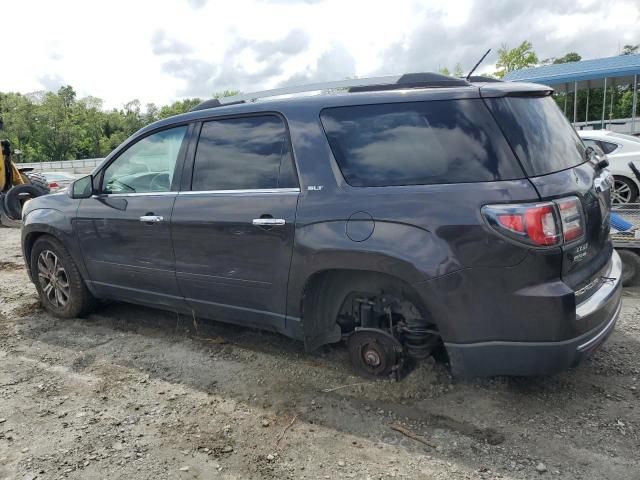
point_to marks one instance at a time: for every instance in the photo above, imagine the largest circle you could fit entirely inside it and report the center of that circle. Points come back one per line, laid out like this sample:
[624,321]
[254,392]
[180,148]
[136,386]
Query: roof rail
[371,84]
[212,103]
[483,78]
[415,80]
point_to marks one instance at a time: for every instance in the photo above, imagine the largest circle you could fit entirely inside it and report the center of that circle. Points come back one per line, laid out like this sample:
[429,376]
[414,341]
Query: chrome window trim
[249,191]
[134,194]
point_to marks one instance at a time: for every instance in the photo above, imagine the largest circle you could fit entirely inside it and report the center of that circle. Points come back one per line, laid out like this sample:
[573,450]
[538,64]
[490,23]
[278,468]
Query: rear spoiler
[514,89]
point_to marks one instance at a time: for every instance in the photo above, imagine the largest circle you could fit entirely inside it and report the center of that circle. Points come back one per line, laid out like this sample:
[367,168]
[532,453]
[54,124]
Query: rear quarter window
[418,143]
[539,133]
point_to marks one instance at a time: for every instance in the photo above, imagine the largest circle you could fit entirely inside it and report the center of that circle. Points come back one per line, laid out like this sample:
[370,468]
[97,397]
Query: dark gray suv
[408,217]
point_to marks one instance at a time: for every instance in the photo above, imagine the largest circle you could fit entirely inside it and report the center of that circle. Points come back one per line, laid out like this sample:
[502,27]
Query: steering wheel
[120,186]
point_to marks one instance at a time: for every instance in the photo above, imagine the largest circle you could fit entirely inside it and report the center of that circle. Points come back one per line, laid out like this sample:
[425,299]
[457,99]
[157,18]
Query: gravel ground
[132,392]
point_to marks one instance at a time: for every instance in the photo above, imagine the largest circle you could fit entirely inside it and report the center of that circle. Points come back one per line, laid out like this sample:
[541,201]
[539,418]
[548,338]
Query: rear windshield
[418,143]
[540,135]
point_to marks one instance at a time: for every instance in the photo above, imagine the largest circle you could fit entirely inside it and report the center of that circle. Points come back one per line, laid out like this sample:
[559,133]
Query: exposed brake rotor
[375,353]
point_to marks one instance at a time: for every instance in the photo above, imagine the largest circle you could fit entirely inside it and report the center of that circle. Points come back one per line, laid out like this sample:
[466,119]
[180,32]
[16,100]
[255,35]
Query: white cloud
[161,51]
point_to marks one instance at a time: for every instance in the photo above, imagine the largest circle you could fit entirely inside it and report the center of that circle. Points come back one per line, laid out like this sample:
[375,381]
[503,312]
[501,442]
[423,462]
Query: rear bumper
[541,358]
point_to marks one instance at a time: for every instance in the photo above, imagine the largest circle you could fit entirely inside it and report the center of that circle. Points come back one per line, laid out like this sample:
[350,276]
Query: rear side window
[540,135]
[608,147]
[243,153]
[418,143]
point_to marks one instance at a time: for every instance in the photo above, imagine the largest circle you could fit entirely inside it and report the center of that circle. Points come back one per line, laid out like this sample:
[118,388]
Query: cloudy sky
[160,51]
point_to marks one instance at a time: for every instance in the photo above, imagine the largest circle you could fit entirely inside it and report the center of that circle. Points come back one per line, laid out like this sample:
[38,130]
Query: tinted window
[591,143]
[596,147]
[243,153]
[608,147]
[540,135]
[418,143]
[147,165]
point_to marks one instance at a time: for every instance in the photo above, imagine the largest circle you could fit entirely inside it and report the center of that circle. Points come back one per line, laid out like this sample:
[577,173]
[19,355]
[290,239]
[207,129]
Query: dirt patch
[10,266]
[131,392]
[28,309]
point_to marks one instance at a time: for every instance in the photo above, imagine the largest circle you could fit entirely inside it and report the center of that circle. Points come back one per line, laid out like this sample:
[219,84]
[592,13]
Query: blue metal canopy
[596,69]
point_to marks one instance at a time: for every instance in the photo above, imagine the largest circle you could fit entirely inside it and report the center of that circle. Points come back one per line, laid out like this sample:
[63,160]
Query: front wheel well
[28,244]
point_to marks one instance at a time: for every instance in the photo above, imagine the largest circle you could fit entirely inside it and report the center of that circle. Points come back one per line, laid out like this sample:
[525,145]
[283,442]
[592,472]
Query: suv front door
[233,231]
[124,230]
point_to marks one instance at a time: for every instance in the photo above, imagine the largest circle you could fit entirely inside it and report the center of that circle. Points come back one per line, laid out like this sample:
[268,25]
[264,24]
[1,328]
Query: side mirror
[82,187]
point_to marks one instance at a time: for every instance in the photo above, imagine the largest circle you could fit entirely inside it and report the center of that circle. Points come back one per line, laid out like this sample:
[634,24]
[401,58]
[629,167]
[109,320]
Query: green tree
[226,93]
[509,60]
[176,108]
[90,124]
[568,58]
[56,130]
[457,71]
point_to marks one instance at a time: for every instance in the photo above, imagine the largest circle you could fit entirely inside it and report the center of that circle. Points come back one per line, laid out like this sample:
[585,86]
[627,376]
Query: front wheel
[59,284]
[624,191]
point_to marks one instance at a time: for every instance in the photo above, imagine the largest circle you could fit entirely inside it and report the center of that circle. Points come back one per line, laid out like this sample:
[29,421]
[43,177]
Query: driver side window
[147,166]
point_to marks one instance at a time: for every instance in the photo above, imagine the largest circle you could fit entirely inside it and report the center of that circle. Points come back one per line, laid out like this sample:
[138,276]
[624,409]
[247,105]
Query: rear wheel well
[325,296]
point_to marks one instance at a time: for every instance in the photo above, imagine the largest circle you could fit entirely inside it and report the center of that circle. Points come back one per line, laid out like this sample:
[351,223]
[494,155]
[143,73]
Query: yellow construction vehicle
[17,186]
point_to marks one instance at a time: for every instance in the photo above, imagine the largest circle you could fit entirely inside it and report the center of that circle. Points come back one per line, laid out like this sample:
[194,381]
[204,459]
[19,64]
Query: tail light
[571,218]
[545,224]
[53,185]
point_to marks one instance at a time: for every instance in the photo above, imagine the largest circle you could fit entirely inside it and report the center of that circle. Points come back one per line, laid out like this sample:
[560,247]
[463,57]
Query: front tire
[58,281]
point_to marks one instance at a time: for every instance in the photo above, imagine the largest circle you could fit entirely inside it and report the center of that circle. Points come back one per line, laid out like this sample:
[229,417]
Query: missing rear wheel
[374,353]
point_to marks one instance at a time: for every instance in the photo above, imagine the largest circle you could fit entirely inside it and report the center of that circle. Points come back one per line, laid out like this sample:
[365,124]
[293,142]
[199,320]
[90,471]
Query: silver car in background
[59,181]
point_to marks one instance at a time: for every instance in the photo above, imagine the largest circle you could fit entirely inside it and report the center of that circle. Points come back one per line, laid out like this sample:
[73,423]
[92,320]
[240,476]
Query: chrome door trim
[250,191]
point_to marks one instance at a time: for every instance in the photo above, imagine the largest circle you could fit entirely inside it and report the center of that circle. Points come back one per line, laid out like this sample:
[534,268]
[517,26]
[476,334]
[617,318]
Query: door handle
[268,221]
[151,219]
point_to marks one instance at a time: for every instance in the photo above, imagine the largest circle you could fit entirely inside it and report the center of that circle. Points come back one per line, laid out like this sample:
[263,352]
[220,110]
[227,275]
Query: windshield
[539,134]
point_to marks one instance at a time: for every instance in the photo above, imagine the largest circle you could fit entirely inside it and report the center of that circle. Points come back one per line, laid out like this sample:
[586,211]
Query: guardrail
[70,166]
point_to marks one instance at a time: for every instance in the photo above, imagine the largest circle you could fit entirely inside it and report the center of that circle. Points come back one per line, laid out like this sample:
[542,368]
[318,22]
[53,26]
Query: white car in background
[620,150]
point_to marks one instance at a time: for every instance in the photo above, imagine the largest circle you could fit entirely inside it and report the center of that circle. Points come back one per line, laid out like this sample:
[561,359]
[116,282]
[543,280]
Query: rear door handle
[268,221]
[151,219]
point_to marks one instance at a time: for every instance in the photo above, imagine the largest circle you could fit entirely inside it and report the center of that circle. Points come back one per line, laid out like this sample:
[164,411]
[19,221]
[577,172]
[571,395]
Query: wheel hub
[374,353]
[372,358]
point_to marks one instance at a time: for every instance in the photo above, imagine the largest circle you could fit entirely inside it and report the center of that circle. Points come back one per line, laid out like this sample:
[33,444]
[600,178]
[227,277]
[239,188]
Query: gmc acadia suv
[405,217]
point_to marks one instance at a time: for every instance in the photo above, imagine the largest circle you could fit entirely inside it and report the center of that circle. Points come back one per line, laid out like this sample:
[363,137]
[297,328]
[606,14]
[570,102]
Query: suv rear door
[233,226]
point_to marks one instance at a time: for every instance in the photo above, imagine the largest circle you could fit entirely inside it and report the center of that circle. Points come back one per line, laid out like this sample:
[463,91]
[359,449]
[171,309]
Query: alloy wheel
[621,192]
[53,279]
